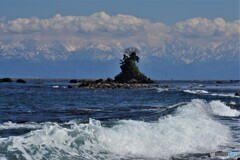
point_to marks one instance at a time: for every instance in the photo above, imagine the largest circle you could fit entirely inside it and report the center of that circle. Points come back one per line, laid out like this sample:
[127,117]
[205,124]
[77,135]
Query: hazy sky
[165,11]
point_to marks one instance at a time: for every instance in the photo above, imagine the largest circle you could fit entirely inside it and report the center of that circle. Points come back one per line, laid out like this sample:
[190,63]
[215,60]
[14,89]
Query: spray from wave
[212,94]
[191,129]
[221,109]
[196,91]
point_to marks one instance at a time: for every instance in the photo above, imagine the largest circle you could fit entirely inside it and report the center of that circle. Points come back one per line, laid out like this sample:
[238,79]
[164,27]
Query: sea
[45,120]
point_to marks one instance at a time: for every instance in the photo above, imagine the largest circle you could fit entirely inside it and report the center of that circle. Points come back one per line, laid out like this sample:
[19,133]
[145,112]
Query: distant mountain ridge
[35,50]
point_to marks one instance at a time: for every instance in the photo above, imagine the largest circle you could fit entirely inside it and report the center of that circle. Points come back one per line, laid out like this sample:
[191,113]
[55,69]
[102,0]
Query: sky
[166,11]
[170,34]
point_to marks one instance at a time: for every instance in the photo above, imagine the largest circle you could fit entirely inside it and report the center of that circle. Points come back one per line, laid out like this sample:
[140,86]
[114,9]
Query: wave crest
[191,129]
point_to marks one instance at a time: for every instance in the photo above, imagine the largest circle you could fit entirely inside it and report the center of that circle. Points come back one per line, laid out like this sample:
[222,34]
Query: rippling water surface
[43,119]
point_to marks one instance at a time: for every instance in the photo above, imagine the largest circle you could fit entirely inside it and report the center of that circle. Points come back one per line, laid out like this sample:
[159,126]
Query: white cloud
[102,23]
[120,31]
[202,27]
[98,22]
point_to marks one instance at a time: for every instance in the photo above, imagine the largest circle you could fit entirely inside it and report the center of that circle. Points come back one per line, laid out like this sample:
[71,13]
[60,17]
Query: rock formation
[6,80]
[21,81]
[129,70]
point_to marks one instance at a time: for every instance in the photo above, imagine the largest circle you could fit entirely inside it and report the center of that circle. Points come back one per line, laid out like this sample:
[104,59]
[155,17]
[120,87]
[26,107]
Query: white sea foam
[221,109]
[212,94]
[3,158]
[55,86]
[224,95]
[31,125]
[233,103]
[162,89]
[191,129]
[196,91]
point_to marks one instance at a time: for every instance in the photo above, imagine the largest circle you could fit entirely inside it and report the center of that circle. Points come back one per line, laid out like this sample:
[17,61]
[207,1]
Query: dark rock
[73,81]
[6,80]
[166,86]
[109,80]
[73,86]
[21,81]
[219,82]
[86,81]
[237,94]
[132,81]
[99,81]
[99,84]
[149,80]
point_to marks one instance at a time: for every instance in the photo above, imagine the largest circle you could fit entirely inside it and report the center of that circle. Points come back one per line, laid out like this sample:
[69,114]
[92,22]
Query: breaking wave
[212,94]
[190,129]
[31,125]
[196,91]
[224,95]
[221,109]
[162,89]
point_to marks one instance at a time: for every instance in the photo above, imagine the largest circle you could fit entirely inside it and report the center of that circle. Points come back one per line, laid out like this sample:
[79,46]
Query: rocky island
[105,84]
[129,77]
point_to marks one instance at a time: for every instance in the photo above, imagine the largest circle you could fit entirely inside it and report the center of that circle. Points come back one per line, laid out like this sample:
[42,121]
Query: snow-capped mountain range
[33,50]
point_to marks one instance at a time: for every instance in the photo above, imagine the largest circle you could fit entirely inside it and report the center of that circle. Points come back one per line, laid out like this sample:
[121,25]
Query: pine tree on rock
[130,72]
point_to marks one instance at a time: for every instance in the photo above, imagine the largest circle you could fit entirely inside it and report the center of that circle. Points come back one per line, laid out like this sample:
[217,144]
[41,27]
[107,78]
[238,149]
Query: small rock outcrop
[73,81]
[21,81]
[219,82]
[109,80]
[104,84]
[6,80]
[99,81]
[237,94]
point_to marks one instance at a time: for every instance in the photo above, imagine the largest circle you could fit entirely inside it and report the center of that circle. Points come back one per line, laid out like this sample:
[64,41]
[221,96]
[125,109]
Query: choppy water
[45,120]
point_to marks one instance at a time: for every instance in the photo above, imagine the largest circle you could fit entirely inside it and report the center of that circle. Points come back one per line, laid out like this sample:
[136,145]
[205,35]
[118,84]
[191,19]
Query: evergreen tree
[130,72]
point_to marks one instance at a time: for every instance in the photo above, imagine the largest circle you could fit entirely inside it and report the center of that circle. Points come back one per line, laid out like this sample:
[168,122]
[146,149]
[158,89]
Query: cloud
[119,31]
[202,27]
[102,23]
[98,22]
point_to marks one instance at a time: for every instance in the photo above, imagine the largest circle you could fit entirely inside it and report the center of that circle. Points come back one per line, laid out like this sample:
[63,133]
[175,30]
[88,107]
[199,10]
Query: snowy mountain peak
[184,51]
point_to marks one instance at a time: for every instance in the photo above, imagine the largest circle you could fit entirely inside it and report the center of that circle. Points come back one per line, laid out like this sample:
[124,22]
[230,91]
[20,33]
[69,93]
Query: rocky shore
[107,84]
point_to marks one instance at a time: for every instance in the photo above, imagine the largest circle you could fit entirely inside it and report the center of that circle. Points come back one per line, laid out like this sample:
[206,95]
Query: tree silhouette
[130,72]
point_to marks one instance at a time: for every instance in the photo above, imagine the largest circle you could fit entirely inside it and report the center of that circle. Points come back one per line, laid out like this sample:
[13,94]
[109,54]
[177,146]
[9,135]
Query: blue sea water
[44,119]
